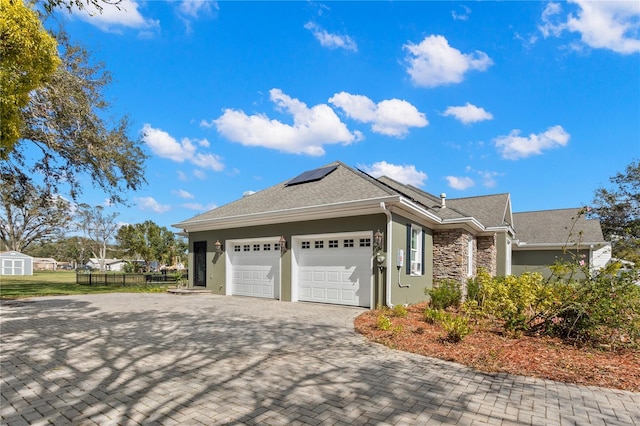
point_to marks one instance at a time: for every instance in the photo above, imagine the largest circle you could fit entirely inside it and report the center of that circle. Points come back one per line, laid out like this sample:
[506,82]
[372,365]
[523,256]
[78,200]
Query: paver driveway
[165,359]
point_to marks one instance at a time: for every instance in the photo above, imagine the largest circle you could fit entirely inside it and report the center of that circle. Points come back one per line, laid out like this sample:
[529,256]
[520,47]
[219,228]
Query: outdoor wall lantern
[377,240]
[218,245]
[283,244]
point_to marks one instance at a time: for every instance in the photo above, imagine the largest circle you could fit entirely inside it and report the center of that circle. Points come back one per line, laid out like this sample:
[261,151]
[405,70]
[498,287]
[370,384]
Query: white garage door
[255,268]
[335,269]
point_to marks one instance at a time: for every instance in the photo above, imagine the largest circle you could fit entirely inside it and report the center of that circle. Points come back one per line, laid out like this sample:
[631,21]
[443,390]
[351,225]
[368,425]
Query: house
[547,236]
[337,235]
[109,264]
[15,263]
[45,264]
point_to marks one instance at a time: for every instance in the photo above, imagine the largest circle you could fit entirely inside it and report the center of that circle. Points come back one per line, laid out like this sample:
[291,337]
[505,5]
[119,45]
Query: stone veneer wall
[487,256]
[450,255]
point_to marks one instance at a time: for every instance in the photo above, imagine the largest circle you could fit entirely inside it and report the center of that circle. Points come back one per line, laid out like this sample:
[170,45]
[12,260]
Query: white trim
[325,211]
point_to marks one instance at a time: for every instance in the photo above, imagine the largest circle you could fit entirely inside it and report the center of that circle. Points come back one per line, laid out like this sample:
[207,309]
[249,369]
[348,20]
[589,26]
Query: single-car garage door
[255,268]
[335,269]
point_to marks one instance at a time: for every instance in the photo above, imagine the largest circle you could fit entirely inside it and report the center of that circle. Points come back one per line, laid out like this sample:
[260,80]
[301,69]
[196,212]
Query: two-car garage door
[335,269]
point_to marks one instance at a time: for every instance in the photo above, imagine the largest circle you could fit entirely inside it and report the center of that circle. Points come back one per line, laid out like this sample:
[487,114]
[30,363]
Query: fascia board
[469,221]
[555,246]
[418,211]
[325,211]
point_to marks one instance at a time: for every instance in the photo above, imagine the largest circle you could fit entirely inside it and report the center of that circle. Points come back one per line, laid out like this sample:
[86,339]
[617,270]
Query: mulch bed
[490,350]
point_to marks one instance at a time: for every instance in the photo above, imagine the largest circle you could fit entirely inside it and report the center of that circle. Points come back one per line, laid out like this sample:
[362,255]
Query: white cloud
[183,194]
[391,117]
[312,127]
[461,16]
[200,174]
[197,8]
[181,176]
[514,146]
[149,203]
[434,63]
[331,41]
[166,146]
[612,25]
[113,18]
[406,174]
[468,114]
[199,207]
[460,183]
[489,178]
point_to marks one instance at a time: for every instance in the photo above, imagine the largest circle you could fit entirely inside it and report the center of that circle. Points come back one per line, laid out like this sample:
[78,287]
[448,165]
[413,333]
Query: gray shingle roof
[563,226]
[490,210]
[344,184]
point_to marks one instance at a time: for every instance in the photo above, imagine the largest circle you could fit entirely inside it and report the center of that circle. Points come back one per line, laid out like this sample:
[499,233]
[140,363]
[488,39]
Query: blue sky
[537,99]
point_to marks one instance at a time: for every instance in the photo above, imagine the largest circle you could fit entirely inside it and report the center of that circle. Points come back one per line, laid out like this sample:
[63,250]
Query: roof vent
[247,193]
[443,202]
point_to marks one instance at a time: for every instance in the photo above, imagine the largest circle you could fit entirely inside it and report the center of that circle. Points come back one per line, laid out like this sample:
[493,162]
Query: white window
[365,242]
[416,250]
[306,244]
[333,243]
[266,247]
[236,248]
[348,243]
[319,244]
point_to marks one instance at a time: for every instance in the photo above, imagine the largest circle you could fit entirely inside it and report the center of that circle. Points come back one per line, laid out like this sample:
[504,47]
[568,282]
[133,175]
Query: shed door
[336,269]
[12,266]
[255,269]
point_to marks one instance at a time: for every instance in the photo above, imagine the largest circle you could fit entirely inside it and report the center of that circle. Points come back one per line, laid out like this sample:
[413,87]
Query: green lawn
[50,283]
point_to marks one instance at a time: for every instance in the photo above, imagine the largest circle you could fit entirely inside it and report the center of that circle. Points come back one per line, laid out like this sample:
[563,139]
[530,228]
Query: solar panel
[311,175]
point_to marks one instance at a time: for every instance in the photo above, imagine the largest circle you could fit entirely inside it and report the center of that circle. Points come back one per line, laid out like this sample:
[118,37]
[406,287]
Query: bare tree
[28,214]
[98,227]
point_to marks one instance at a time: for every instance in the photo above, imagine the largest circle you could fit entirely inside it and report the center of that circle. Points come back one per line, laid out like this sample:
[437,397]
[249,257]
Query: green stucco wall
[406,288]
[539,260]
[216,268]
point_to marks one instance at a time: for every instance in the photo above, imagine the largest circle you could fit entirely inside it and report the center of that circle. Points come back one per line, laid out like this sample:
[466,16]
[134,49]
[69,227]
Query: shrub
[517,300]
[603,309]
[433,316]
[445,294]
[383,322]
[456,326]
[399,311]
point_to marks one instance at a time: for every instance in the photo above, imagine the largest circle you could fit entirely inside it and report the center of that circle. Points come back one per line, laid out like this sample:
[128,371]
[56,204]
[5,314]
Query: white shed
[14,263]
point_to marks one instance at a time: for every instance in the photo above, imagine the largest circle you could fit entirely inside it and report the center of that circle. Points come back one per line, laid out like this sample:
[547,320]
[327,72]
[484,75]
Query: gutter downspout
[388,241]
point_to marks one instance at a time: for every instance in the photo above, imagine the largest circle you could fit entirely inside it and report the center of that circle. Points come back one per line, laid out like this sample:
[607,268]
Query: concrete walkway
[129,359]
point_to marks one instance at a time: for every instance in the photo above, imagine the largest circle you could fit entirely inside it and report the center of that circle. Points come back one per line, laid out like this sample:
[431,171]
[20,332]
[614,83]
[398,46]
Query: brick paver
[145,359]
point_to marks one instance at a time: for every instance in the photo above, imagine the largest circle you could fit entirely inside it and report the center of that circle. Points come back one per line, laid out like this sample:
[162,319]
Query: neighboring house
[15,263]
[45,264]
[109,264]
[547,236]
[337,235]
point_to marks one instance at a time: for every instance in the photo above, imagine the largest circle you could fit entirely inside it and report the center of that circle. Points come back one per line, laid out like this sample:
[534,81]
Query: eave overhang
[324,211]
[583,245]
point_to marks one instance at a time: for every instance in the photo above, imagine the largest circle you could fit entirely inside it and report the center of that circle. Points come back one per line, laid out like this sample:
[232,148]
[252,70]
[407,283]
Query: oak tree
[28,215]
[618,209]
